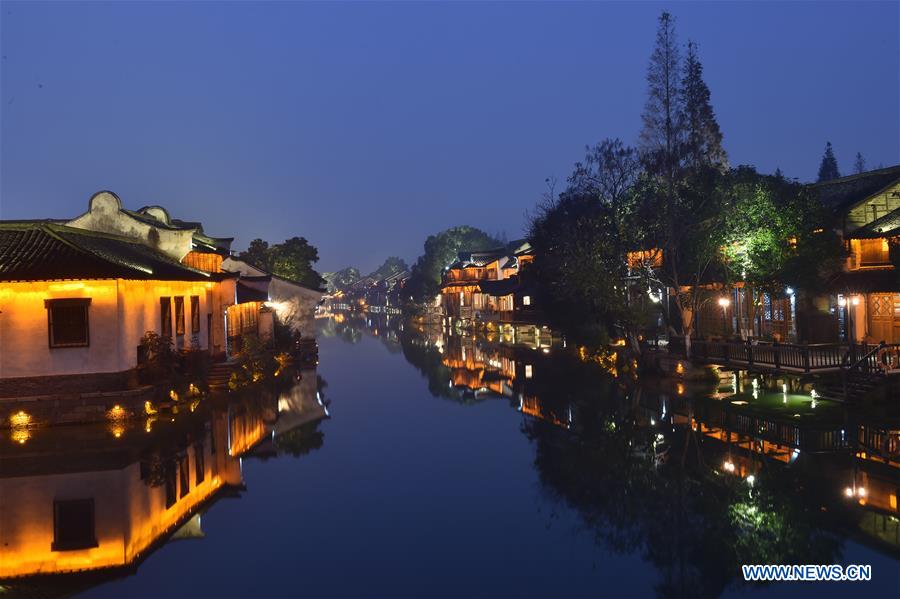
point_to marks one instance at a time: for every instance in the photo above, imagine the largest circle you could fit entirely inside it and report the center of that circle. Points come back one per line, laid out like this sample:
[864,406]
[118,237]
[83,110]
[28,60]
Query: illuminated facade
[866,297]
[487,286]
[293,303]
[76,302]
[115,494]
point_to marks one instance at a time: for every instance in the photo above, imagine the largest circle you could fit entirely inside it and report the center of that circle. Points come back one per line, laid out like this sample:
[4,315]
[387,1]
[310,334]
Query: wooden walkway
[797,358]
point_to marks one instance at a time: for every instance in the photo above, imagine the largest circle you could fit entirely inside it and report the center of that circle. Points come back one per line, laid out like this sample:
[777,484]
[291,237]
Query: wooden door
[884,317]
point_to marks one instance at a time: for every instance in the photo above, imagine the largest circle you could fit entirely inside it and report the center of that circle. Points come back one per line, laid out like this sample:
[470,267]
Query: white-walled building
[75,302]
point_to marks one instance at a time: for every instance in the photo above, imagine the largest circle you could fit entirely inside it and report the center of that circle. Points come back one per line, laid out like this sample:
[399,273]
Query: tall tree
[860,165]
[581,239]
[703,137]
[258,255]
[686,198]
[608,172]
[661,137]
[828,168]
[294,259]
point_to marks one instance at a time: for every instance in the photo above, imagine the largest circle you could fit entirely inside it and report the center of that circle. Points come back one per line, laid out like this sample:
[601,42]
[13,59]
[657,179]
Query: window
[73,525]
[529,371]
[165,316]
[67,322]
[184,475]
[526,300]
[198,464]
[179,316]
[195,314]
[171,481]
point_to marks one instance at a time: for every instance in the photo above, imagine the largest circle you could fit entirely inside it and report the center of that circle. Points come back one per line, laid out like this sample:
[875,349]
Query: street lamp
[842,303]
[724,302]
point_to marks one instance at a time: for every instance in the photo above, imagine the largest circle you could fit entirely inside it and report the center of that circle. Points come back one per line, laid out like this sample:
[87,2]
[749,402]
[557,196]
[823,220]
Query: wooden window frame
[50,304]
[195,314]
[179,316]
[165,324]
[58,545]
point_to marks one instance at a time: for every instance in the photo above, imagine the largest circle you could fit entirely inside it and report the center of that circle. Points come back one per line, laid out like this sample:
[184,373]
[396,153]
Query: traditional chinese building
[76,302]
[488,287]
[866,296]
[77,296]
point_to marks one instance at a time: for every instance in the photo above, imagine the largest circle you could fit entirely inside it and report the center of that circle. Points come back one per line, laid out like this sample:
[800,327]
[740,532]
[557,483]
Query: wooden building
[488,287]
[866,297]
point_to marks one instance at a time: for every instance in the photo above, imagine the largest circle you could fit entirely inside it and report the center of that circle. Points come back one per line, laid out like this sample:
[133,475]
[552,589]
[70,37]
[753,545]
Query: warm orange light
[20,419]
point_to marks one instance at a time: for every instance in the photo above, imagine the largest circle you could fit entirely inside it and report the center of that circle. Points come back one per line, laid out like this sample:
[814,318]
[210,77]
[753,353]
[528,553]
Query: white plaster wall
[105,215]
[24,336]
[119,314]
[295,305]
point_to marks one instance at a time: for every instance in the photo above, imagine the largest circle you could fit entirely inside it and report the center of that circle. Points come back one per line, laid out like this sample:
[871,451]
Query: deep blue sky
[366,127]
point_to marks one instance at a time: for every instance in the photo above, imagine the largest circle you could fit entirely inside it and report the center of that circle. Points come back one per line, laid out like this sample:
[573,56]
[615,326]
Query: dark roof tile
[48,251]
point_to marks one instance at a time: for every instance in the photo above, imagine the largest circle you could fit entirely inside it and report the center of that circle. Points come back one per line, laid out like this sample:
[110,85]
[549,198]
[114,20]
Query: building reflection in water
[699,477]
[76,499]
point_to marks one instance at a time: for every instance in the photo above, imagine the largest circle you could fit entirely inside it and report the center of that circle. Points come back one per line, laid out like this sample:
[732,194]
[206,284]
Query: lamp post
[793,301]
[724,301]
[855,301]
[842,302]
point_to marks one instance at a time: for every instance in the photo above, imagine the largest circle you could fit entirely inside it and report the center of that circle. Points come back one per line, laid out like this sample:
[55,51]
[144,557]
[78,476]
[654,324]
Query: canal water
[413,463]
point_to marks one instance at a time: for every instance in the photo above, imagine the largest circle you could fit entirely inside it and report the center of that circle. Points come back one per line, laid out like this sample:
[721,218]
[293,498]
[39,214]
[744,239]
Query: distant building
[487,286]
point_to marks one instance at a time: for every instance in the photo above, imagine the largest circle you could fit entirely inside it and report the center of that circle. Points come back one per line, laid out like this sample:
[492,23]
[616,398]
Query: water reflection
[697,478]
[93,501]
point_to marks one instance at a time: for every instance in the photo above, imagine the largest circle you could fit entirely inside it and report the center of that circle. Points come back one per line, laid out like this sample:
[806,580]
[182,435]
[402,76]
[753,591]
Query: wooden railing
[791,356]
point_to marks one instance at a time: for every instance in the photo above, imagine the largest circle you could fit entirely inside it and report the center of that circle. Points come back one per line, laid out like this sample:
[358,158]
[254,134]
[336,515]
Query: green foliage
[828,168]
[257,362]
[259,255]
[391,266]
[342,279]
[859,165]
[579,265]
[301,440]
[160,361]
[292,260]
[703,138]
[441,250]
[777,234]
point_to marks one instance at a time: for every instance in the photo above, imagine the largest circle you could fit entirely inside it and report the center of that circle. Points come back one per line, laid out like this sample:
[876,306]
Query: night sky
[366,127]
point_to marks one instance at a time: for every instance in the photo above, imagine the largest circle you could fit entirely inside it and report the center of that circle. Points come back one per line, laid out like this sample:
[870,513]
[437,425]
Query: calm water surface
[552,484]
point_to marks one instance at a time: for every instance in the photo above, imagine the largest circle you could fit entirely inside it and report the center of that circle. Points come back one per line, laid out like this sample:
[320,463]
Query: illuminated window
[165,316]
[67,322]
[73,525]
[462,298]
[528,371]
[195,314]
[526,300]
[179,316]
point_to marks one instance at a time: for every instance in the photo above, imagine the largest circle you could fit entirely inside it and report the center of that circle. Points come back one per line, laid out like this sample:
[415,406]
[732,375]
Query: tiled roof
[499,288]
[248,293]
[41,251]
[886,226]
[843,193]
[862,281]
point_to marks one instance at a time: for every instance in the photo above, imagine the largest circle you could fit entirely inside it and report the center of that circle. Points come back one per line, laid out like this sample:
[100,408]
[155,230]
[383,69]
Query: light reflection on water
[460,465]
